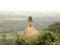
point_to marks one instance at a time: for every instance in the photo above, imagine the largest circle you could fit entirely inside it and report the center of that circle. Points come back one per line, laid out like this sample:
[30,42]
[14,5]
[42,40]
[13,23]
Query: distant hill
[16,23]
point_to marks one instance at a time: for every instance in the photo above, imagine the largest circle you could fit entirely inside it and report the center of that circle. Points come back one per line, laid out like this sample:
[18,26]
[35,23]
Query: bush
[55,27]
[20,40]
[47,38]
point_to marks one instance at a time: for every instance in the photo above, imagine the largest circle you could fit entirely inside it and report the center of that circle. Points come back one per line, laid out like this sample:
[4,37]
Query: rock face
[30,31]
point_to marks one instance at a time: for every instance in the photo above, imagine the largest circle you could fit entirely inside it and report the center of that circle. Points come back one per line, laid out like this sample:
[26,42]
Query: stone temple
[29,31]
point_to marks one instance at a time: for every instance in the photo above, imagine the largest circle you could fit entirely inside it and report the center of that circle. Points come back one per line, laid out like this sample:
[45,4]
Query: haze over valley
[13,22]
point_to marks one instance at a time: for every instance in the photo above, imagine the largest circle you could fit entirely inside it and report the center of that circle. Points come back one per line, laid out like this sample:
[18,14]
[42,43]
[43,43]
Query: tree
[55,27]
[47,39]
[20,40]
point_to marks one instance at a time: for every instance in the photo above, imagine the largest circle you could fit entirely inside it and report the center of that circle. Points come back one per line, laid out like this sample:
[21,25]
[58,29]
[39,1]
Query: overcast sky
[30,5]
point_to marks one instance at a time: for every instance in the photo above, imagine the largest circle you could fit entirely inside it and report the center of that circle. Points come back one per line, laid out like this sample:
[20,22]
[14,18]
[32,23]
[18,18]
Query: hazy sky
[30,5]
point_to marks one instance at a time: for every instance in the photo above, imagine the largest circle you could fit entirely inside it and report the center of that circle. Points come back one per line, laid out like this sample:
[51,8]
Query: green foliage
[20,40]
[10,43]
[47,38]
[55,27]
[44,38]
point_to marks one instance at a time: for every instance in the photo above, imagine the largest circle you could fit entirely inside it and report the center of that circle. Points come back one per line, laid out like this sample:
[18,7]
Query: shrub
[47,38]
[20,40]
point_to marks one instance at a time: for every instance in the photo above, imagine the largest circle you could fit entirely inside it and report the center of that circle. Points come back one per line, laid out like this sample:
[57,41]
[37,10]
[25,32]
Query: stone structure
[30,31]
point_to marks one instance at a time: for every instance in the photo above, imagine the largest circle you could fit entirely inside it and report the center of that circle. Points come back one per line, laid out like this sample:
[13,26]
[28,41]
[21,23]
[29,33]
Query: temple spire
[30,20]
[29,31]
